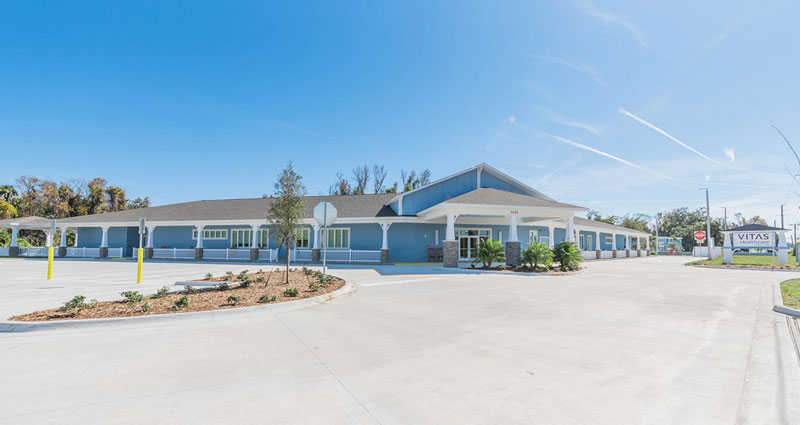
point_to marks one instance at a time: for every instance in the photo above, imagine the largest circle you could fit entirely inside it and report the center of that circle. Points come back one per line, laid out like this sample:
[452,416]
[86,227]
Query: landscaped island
[228,291]
[790,291]
[749,262]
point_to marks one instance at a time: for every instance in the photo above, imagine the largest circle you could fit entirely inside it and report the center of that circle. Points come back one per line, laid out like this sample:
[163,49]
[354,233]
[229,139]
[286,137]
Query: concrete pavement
[640,341]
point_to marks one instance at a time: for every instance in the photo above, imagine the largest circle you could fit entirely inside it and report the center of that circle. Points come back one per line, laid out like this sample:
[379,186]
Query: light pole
[656,235]
[725,219]
[708,224]
[781,216]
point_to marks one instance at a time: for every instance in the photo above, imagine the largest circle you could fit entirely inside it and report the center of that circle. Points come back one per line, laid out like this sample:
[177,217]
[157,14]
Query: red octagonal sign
[699,235]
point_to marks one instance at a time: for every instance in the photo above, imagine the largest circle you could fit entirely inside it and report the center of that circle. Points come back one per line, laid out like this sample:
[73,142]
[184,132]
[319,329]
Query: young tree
[361,177]
[287,209]
[378,176]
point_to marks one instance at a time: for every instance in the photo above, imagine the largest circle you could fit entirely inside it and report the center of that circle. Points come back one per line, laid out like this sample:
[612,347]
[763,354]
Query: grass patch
[790,290]
[749,261]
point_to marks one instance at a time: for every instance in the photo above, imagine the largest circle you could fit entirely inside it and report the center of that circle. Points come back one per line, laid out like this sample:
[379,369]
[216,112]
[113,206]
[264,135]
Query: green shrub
[233,300]
[242,275]
[568,256]
[307,271]
[161,292]
[132,297]
[180,303]
[245,282]
[223,286]
[501,267]
[76,303]
[93,303]
[209,276]
[261,279]
[146,307]
[489,252]
[228,276]
[313,287]
[267,298]
[537,253]
[191,290]
[290,292]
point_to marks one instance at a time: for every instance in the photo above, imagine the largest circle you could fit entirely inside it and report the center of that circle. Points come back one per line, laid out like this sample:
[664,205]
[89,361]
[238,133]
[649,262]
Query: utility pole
[725,220]
[781,216]
[708,225]
[794,239]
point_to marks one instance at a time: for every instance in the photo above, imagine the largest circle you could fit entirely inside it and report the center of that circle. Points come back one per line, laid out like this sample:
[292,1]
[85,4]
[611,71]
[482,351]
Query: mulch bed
[212,298]
[527,269]
[748,266]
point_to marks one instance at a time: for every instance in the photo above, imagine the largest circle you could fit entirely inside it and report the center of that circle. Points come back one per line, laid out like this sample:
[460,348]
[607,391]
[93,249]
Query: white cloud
[589,71]
[560,119]
[512,119]
[730,153]
[592,10]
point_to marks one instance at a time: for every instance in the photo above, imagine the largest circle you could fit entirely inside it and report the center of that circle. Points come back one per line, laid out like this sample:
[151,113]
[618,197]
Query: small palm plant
[568,256]
[537,253]
[489,252]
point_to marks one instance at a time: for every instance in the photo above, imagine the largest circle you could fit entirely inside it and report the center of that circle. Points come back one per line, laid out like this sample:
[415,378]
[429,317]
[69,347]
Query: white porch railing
[302,255]
[589,255]
[3,251]
[174,253]
[634,253]
[226,254]
[606,254]
[270,255]
[621,253]
[84,252]
[115,252]
[33,251]
[351,255]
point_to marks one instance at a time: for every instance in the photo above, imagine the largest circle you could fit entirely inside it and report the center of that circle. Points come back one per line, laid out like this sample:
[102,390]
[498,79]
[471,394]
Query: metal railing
[84,252]
[33,251]
[226,254]
[270,255]
[174,253]
[4,251]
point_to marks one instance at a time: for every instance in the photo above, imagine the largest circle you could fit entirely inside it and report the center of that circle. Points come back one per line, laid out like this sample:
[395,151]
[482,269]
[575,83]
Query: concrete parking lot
[639,341]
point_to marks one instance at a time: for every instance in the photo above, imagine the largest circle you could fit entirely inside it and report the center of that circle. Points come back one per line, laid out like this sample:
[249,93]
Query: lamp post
[725,218]
[708,224]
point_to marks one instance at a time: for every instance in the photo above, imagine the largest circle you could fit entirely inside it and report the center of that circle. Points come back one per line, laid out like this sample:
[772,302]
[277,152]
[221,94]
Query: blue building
[441,221]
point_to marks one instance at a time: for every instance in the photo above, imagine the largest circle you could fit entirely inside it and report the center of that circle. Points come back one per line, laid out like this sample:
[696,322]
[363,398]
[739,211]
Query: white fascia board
[250,222]
[481,208]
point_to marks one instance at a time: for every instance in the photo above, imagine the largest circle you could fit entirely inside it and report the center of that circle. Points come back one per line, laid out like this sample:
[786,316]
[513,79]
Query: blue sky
[201,100]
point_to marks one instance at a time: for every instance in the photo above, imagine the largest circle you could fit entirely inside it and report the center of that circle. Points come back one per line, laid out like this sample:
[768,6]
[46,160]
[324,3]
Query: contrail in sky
[573,143]
[623,111]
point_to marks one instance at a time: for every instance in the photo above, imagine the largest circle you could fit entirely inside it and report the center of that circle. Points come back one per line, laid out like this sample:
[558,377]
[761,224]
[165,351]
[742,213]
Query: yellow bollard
[139,271]
[49,263]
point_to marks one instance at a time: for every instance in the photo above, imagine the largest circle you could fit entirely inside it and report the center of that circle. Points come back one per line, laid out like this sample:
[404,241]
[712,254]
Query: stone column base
[512,254]
[597,254]
[613,253]
[13,251]
[253,254]
[384,256]
[628,253]
[61,251]
[316,255]
[450,257]
[198,253]
[148,253]
[103,252]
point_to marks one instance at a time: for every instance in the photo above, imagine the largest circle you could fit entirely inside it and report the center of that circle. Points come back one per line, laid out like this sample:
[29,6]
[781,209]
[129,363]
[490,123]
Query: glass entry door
[469,240]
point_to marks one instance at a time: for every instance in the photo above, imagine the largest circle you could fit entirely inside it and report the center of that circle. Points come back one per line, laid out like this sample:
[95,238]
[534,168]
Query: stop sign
[699,235]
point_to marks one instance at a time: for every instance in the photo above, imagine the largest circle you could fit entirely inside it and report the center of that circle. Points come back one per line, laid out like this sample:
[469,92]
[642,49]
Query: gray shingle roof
[26,221]
[580,221]
[241,209]
[489,196]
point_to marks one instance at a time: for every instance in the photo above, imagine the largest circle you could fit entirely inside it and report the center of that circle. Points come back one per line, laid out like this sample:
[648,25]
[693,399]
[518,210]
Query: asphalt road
[636,341]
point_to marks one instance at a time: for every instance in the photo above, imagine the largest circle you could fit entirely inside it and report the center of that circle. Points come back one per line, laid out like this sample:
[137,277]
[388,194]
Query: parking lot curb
[176,318]
[779,307]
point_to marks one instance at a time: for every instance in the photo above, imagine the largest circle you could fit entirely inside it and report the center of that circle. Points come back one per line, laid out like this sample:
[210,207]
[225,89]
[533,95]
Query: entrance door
[469,240]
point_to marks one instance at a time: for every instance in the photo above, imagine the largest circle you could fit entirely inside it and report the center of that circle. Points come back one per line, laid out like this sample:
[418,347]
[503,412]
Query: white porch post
[570,230]
[551,237]
[49,238]
[597,241]
[150,236]
[63,237]
[512,228]
[104,240]
[14,235]
[627,242]
[385,228]
[254,242]
[316,228]
[647,243]
[450,232]
[613,241]
[199,235]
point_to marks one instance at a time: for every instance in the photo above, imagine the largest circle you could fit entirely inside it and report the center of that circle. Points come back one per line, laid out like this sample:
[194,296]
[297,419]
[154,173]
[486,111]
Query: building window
[436,237]
[243,238]
[583,242]
[609,240]
[211,234]
[337,238]
[302,237]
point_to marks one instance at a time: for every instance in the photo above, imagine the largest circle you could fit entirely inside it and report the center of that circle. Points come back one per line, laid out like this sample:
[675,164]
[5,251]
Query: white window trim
[436,237]
[479,229]
[305,234]
[500,236]
[206,238]
[324,240]
[249,239]
[609,240]
[582,239]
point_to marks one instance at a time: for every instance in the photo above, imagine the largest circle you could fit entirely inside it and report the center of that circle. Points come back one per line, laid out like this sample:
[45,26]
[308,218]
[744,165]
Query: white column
[75,242]
[104,240]
[512,228]
[255,241]
[316,228]
[150,235]
[63,237]
[597,241]
[570,230]
[385,228]
[551,239]
[14,235]
[627,242]
[199,235]
[613,241]
[48,238]
[450,233]
[647,243]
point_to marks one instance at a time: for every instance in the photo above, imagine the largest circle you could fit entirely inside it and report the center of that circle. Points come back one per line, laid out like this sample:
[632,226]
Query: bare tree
[340,187]
[378,177]
[424,178]
[361,176]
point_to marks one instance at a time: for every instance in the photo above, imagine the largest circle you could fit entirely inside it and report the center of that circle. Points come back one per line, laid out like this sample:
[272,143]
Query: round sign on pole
[699,235]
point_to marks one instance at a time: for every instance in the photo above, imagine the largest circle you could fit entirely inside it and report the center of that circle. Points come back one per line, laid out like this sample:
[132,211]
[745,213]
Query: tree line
[680,223]
[365,178]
